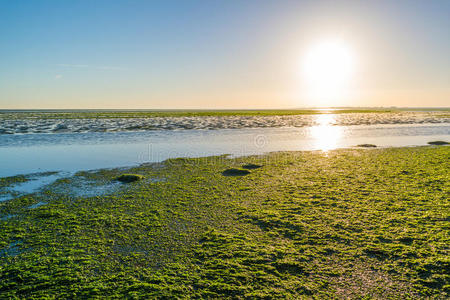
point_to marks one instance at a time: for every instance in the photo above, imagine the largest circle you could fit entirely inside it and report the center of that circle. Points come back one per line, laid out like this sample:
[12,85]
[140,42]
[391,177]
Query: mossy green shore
[357,223]
[95,114]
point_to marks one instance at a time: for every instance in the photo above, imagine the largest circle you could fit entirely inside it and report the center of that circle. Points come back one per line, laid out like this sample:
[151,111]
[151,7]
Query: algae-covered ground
[100,114]
[355,223]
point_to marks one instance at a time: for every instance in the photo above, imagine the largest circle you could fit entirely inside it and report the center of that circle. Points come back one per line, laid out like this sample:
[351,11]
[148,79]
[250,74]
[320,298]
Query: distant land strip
[88,114]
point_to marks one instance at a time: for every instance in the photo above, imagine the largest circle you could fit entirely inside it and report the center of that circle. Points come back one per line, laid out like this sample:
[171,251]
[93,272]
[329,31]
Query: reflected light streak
[325,135]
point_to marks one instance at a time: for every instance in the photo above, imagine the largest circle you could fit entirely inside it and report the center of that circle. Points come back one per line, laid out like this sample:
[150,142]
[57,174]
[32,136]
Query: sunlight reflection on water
[326,136]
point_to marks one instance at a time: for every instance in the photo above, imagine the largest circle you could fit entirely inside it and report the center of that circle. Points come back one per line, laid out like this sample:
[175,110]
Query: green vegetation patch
[344,224]
[6,182]
[96,114]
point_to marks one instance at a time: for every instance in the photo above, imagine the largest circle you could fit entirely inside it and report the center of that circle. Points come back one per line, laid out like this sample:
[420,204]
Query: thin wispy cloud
[92,67]
[59,76]
[72,66]
[109,68]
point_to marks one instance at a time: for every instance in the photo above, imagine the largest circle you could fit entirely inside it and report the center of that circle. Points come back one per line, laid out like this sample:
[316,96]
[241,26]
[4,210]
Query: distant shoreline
[62,114]
[249,110]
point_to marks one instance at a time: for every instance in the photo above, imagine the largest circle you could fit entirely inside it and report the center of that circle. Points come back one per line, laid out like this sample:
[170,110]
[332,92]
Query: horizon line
[235,109]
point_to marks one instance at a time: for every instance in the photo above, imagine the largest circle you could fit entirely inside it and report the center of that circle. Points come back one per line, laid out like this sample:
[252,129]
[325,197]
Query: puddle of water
[36,205]
[35,183]
[7,217]
[86,189]
[13,249]
[6,197]
[155,180]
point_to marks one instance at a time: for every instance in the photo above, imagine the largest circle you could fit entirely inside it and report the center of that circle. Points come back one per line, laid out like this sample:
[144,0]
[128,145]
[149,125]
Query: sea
[32,143]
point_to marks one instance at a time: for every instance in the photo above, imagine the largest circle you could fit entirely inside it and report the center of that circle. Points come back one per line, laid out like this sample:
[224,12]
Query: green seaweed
[99,114]
[349,224]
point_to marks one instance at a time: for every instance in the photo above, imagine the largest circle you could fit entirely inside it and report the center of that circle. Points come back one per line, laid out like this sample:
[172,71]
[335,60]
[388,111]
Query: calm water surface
[70,152]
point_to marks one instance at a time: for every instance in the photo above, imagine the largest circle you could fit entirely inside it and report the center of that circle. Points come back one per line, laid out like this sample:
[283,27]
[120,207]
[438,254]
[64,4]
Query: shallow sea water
[70,151]
[17,123]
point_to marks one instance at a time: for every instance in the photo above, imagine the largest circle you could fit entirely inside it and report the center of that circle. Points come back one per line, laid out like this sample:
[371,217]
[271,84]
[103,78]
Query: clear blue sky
[216,54]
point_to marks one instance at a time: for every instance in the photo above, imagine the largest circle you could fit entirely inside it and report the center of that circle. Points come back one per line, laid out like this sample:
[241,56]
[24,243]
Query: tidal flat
[350,223]
[45,122]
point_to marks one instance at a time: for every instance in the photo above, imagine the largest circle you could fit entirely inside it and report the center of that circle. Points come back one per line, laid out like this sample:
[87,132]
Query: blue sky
[216,54]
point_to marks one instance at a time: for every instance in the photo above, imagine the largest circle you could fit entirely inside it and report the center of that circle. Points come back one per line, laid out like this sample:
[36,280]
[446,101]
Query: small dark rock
[406,240]
[235,172]
[251,166]
[127,178]
[438,143]
[367,145]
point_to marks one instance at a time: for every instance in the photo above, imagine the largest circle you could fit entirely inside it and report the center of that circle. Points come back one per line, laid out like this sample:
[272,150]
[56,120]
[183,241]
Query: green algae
[89,114]
[349,224]
[6,182]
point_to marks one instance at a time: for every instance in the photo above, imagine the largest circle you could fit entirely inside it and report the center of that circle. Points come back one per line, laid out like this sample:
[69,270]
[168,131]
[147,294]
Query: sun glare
[325,135]
[328,68]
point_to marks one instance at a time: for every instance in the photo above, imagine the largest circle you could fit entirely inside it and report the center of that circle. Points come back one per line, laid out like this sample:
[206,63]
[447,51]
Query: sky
[222,54]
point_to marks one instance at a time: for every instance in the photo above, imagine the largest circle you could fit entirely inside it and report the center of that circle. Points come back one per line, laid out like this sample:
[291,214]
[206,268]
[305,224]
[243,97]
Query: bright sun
[328,68]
